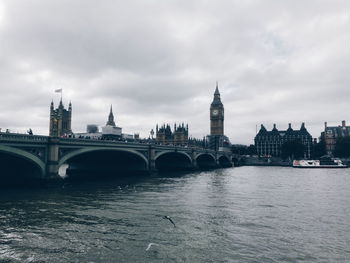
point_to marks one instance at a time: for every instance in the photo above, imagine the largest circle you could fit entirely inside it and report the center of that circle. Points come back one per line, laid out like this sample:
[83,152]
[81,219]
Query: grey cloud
[157,61]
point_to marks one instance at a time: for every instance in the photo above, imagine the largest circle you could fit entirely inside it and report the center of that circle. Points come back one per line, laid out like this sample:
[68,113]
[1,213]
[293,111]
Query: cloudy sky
[158,61]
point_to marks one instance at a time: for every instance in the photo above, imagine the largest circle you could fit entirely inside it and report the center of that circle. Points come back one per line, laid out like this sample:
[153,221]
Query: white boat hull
[317,164]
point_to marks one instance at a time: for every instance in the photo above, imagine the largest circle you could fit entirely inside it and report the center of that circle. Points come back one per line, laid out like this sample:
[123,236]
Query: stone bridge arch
[87,150]
[204,153]
[236,160]
[168,151]
[138,162]
[34,160]
[224,161]
[173,161]
[206,161]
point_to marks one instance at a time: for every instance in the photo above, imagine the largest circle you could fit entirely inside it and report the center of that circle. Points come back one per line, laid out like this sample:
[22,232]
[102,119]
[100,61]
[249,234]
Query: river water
[246,214]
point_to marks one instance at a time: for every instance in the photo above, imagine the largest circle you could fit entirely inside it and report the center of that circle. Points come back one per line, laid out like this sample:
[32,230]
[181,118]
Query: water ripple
[248,214]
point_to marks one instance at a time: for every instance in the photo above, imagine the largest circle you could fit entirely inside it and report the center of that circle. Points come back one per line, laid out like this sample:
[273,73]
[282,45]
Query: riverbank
[263,161]
[275,161]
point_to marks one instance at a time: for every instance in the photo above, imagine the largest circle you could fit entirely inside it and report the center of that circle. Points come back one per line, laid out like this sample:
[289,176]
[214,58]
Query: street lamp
[152,133]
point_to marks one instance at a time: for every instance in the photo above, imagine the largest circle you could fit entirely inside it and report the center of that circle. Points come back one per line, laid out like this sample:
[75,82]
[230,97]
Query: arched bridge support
[173,161]
[152,160]
[47,154]
[52,163]
[206,161]
[101,161]
[19,166]
[224,161]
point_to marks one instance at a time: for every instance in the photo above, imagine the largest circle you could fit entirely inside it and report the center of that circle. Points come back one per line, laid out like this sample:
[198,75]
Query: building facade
[217,140]
[179,136]
[60,120]
[111,131]
[269,143]
[216,115]
[332,133]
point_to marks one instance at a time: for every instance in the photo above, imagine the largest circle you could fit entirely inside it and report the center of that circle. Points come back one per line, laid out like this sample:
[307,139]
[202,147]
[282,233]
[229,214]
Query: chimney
[325,125]
[289,125]
[343,124]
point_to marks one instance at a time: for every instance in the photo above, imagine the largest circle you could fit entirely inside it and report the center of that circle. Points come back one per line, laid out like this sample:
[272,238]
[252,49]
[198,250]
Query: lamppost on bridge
[152,133]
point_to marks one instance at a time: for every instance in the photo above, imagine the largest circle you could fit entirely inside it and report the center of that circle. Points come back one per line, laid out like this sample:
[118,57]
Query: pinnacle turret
[110,121]
[217,89]
[217,99]
[61,104]
[60,120]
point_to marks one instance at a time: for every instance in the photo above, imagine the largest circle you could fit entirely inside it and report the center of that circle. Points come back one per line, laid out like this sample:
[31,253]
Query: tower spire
[61,104]
[216,100]
[217,89]
[110,121]
[217,114]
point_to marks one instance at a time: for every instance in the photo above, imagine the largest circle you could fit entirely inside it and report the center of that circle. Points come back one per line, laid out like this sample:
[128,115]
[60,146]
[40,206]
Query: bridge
[44,157]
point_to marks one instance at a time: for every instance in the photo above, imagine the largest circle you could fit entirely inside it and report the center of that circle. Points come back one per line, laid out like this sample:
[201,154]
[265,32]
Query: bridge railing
[123,143]
[95,141]
[114,142]
[44,139]
[22,137]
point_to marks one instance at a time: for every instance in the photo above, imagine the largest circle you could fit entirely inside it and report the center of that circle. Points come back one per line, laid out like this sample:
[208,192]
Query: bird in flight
[168,217]
[149,246]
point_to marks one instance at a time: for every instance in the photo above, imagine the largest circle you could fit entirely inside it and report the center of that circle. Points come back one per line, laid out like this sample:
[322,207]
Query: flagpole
[60,91]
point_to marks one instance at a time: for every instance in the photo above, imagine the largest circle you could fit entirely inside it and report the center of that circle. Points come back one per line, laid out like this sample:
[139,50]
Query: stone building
[268,143]
[165,135]
[181,134]
[216,115]
[60,120]
[332,133]
[217,140]
[110,130]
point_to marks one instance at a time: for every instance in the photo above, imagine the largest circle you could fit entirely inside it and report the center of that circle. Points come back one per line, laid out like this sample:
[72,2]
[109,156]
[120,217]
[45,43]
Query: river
[246,214]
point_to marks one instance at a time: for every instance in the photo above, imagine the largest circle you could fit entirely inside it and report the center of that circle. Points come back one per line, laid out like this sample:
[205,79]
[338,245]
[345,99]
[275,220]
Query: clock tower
[216,114]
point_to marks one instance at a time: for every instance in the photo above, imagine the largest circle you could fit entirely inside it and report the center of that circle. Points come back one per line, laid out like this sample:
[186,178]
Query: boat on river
[324,162]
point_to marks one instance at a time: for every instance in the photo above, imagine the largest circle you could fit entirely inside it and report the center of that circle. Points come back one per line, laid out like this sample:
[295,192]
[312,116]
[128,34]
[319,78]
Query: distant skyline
[158,62]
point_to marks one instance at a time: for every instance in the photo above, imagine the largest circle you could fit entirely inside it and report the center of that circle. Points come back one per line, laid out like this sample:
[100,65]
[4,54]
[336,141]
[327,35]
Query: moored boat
[324,162]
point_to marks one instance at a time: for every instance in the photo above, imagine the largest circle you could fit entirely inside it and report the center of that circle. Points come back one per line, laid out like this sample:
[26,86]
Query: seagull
[149,246]
[168,217]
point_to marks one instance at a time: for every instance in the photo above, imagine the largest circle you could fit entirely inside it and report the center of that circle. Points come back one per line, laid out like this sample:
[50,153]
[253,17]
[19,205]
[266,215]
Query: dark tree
[342,147]
[319,149]
[239,149]
[251,150]
[292,149]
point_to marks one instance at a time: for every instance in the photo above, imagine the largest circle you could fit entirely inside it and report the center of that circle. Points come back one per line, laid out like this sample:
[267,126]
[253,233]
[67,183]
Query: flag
[58,90]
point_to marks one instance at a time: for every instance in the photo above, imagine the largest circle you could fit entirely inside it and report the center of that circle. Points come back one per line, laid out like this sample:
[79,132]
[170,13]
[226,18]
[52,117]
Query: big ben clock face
[215,112]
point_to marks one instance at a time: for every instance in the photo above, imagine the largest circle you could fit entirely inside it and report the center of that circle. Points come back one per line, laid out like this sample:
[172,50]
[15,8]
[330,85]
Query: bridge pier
[152,160]
[194,160]
[52,164]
